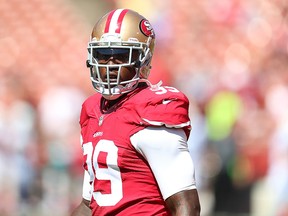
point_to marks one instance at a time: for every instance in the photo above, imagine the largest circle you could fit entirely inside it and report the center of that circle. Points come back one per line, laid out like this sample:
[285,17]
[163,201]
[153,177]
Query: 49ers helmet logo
[146,28]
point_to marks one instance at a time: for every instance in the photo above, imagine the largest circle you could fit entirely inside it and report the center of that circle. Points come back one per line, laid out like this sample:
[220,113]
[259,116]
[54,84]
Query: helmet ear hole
[137,64]
[88,65]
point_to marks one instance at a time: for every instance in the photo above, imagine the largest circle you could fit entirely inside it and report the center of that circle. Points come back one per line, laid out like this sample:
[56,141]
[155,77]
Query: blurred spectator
[58,123]
[18,153]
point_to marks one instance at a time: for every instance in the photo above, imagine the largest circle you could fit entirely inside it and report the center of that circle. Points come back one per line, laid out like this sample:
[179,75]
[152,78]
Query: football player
[134,134]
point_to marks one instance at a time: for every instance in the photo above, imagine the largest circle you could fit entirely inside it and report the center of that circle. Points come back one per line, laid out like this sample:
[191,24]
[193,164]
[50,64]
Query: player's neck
[110,105]
[107,105]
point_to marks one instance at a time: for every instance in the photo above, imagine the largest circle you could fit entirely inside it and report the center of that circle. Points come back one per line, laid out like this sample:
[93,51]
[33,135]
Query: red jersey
[123,183]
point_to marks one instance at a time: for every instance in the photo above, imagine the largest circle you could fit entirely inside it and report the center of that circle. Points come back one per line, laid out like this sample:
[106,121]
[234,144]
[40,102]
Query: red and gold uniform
[125,173]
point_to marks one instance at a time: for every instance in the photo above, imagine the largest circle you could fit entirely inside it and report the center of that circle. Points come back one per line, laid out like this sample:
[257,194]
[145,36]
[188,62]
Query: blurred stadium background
[230,57]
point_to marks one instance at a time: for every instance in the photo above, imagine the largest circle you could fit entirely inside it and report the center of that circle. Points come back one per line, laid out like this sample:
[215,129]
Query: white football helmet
[129,36]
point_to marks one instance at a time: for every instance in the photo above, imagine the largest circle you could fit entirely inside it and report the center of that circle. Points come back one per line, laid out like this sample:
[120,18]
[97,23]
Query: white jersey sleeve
[166,151]
[86,190]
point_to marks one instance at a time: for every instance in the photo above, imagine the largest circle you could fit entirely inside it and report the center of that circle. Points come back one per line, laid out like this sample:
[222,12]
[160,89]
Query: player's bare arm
[184,203]
[82,209]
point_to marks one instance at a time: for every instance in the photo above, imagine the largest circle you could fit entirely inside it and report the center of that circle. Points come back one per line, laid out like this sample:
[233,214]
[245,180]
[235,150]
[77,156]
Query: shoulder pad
[163,106]
[88,108]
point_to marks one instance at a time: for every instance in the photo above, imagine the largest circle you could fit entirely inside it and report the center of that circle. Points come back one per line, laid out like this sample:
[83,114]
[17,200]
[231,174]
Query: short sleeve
[167,153]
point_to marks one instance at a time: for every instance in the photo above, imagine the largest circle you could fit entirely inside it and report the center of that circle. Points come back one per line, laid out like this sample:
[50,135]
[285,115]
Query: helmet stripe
[120,20]
[108,21]
[114,21]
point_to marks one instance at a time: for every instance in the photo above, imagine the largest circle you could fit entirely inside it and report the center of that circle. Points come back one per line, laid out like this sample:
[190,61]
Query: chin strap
[154,87]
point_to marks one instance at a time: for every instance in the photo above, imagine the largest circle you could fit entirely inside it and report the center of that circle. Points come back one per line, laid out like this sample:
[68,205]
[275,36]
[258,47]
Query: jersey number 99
[110,172]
